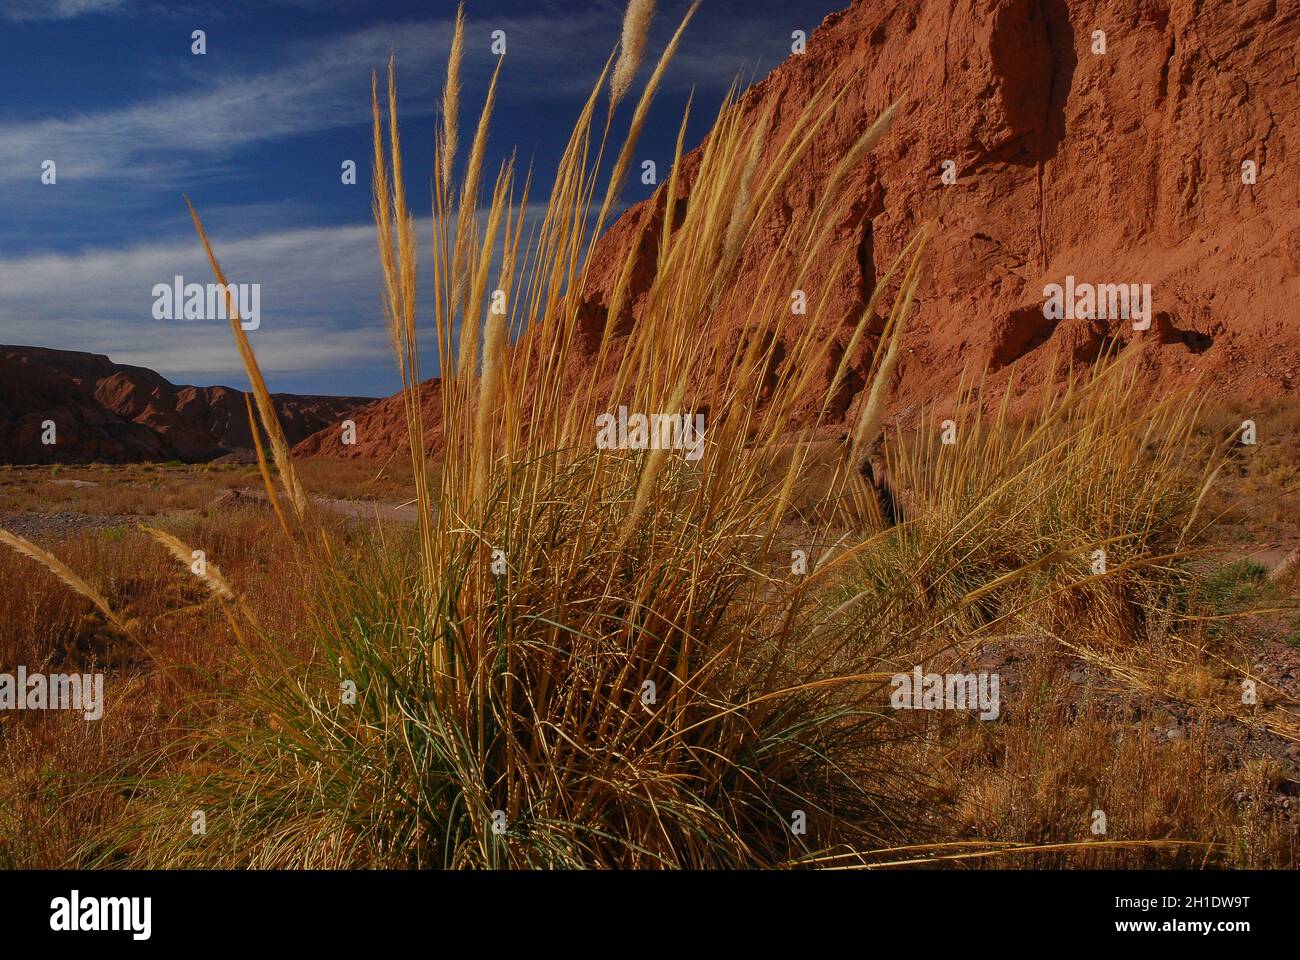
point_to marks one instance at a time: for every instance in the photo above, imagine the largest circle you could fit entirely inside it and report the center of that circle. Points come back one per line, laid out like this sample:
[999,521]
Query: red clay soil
[1116,167]
[110,413]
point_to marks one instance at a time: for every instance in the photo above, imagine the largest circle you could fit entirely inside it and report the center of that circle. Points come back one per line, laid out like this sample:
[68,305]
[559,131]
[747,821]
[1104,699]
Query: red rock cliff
[1117,167]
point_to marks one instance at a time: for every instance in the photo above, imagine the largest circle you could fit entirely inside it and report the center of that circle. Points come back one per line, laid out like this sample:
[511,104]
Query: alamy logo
[73,913]
[1103,301]
[655,431]
[58,691]
[196,301]
[950,691]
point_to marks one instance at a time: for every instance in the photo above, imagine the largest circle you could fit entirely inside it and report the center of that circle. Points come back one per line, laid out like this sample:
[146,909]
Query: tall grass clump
[577,658]
[1072,523]
[1098,481]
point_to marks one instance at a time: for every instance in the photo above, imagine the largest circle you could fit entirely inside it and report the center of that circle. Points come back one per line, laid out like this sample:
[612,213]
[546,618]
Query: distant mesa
[106,412]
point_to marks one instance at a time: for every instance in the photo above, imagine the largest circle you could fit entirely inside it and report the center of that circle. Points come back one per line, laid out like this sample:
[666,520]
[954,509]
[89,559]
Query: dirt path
[361,509]
[1269,554]
[371,509]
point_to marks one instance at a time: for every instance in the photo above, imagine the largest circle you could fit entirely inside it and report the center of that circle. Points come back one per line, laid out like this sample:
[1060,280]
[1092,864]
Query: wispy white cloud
[227,110]
[55,9]
[319,302]
[324,85]
[28,10]
[320,285]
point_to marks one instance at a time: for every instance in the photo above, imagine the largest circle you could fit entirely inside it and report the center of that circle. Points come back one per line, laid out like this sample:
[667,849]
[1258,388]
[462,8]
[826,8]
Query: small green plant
[1236,585]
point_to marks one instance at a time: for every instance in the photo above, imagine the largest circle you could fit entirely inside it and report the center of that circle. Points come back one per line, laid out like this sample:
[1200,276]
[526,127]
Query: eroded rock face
[1122,167]
[110,413]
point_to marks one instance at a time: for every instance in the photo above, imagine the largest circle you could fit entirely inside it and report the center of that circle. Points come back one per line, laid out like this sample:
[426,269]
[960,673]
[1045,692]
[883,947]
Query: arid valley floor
[1158,740]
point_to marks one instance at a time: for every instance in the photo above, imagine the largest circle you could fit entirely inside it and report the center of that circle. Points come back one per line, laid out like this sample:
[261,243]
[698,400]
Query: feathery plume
[636,29]
[872,412]
[265,407]
[262,468]
[451,97]
[639,115]
[741,212]
[210,575]
[465,214]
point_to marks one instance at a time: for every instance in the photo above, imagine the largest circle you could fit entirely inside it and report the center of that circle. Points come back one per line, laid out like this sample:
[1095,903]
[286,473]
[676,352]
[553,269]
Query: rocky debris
[236,499]
[1169,722]
[359,509]
[237,457]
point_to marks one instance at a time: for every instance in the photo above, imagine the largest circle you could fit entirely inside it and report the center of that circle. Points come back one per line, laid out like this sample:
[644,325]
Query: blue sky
[255,132]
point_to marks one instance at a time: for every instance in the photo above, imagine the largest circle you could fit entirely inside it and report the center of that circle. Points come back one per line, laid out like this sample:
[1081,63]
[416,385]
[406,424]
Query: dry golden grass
[1260,495]
[1081,749]
[65,777]
[1033,778]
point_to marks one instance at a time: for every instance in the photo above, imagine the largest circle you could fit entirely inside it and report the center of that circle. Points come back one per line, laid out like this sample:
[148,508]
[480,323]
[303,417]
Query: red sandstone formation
[1128,166]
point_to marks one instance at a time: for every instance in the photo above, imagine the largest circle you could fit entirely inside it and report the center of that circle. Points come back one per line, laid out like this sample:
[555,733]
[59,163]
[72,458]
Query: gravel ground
[59,526]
